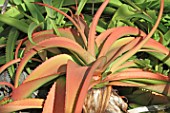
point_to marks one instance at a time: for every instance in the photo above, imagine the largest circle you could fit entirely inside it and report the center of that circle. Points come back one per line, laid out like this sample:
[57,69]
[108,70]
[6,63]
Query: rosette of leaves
[80,60]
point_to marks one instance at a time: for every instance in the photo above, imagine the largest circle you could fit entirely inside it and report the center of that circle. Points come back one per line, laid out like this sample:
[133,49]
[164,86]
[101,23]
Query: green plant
[93,61]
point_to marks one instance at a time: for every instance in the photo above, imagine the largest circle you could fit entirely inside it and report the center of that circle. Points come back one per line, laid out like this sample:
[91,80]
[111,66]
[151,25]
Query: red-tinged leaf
[120,42]
[92,31]
[152,44]
[50,43]
[51,66]
[104,35]
[86,83]
[115,53]
[126,65]
[69,17]
[21,104]
[138,74]
[127,55]
[75,75]
[33,35]
[71,34]
[126,84]
[50,100]
[60,95]
[7,84]
[81,22]
[160,88]
[116,34]
[56,97]
[25,90]
[2,68]
[37,39]
[76,93]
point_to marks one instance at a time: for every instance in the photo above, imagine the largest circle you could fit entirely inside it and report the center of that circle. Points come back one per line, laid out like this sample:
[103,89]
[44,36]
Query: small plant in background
[82,67]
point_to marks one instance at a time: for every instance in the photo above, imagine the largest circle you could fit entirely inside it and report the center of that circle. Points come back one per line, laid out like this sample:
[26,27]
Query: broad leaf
[55,42]
[21,104]
[76,93]
[22,26]
[53,65]
[25,89]
[56,97]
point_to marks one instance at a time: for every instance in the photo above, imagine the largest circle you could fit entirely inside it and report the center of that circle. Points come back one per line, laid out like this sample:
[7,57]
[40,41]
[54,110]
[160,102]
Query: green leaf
[32,27]
[3,60]
[81,5]
[51,14]
[34,10]
[17,2]
[2,40]
[11,41]
[22,26]
[164,58]
[120,14]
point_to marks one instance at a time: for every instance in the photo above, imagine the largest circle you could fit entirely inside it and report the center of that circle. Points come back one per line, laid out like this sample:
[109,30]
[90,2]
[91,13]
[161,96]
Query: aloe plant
[82,60]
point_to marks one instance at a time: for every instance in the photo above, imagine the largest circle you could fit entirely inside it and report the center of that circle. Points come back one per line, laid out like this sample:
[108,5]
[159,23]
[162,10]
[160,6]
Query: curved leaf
[22,26]
[56,97]
[152,44]
[7,84]
[118,33]
[136,74]
[74,73]
[50,66]
[92,31]
[32,27]
[25,89]
[76,93]
[9,64]
[21,104]
[54,42]
[36,39]
[143,42]
[70,18]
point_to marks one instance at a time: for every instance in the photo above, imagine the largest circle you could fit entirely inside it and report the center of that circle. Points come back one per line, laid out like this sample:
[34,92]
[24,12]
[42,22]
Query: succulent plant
[82,63]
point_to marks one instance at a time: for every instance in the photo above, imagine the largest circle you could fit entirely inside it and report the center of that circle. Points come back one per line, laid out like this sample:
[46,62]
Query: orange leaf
[25,90]
[55,101]
[50,43]
[51,66]
[21,104]
[79,78]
